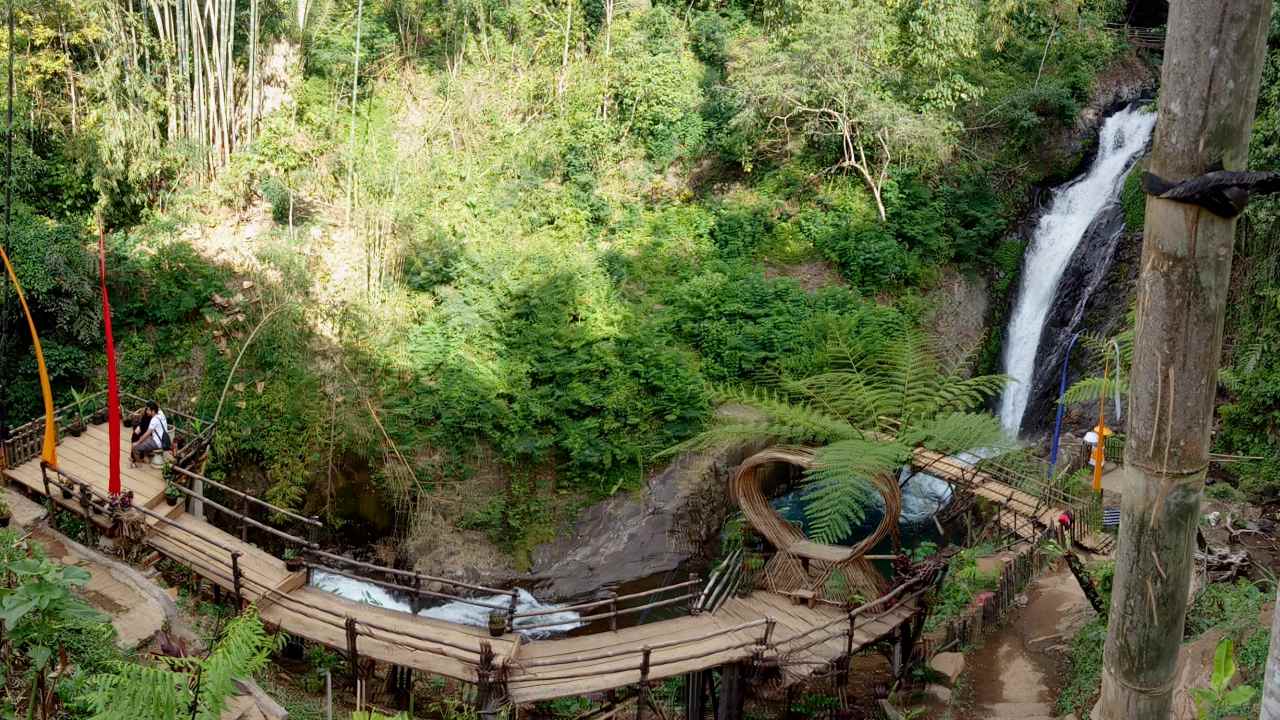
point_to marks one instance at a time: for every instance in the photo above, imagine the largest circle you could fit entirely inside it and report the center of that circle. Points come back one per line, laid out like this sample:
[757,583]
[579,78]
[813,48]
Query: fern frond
[958,432]
[960,394]
[857,458]
[851,394]
[243,650]
[833,507]
[839,488]
[766,415]
[131,691]
[1090,389]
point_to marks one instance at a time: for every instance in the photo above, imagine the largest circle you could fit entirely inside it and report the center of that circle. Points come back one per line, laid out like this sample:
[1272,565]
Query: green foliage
[515,521]
[44,619]
[169,690]
[1220,697]
[657,87]
[865,417]
[1225,606]
[1134,201]
[1084,668]
[743,325]
[963,583]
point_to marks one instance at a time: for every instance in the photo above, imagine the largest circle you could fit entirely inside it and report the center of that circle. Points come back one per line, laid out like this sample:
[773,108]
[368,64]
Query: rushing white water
[455,612]
[923,496]
[1073,209]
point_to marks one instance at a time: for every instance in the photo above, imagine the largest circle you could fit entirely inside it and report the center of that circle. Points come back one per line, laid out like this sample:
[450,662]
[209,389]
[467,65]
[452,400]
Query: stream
[455,612]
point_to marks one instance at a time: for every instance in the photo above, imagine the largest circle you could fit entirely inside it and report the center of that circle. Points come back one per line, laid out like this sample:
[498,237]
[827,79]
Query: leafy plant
[1220,696]
[188,687]
[80,400]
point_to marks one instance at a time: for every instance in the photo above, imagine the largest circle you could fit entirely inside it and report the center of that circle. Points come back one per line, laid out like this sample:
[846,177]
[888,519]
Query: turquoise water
[923,496]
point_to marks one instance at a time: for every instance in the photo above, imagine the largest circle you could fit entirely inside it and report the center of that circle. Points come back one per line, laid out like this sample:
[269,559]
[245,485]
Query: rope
[1224,193]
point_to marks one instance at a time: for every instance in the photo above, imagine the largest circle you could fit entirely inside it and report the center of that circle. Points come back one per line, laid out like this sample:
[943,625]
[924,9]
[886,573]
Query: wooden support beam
[732,694]
[353,654]
[695,699]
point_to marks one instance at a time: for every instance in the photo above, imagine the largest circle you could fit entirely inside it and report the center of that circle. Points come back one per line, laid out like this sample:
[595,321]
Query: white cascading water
[456,612]
[1073,209]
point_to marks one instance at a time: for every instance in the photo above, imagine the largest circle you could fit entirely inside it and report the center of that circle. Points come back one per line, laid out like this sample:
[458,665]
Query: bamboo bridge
[791,620]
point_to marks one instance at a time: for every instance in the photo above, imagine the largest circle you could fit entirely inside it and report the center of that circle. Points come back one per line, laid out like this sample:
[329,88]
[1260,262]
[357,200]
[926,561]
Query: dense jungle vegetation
[523,239]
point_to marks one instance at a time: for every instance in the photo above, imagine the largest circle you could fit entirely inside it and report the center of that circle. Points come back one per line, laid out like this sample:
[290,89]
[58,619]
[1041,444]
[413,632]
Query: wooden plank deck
[86,458]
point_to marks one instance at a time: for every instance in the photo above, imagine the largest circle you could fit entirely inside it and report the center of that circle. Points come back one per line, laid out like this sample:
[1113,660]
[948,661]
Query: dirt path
[1018,672]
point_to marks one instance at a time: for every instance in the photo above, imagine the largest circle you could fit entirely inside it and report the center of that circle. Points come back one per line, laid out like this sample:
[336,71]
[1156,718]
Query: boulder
[949,664]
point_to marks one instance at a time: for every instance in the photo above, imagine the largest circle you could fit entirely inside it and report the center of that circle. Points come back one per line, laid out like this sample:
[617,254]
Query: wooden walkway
[763,626]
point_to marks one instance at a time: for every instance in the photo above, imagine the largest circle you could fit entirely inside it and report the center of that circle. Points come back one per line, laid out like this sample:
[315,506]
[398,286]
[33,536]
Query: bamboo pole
[1211,73]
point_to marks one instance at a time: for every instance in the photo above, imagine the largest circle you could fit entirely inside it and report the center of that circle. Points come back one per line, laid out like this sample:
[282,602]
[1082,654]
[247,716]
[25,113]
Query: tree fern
[958,432]
[1102,350]
[168,691]
[865,416]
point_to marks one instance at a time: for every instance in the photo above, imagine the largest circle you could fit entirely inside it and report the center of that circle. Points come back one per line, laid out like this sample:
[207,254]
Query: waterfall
[1074,207]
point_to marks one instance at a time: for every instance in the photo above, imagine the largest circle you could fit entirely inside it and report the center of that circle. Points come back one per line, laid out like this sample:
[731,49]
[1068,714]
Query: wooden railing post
[244,513]
[642,689]
[613,611]
[235,579]
[484,676]
[353,655]
[769,622]
[693,594]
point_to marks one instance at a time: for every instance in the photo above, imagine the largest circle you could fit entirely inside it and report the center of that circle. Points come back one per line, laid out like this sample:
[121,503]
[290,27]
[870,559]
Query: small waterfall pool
[1074,207]
[455,612]
[923,496]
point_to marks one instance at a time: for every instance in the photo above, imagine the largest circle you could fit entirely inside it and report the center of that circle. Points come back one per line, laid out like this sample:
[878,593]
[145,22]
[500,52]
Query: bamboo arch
[802,567]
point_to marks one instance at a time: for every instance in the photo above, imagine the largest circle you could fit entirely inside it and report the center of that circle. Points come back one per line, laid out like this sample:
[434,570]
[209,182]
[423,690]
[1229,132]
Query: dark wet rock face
[673,523]
[1080,295]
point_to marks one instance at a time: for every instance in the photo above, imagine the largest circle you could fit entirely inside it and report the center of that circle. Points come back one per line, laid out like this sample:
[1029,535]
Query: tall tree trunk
[1212,68]
[355,87]
[1271,682]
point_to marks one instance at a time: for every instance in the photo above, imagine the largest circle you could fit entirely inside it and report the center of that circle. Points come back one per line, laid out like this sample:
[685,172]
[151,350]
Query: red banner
[113,388]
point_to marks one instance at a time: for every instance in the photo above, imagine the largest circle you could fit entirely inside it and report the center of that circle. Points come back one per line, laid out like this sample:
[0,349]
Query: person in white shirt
[156,437]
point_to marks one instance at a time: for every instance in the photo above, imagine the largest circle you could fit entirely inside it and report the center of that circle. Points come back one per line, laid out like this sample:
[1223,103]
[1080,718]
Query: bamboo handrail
[406,573]
[612,613]
[606,601]
[416,591]
[604,655]
[239,493]
[246,519]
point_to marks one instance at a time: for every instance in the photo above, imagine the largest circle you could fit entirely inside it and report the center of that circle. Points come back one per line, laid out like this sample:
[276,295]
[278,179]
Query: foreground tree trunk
[1271,682]
[1212,67]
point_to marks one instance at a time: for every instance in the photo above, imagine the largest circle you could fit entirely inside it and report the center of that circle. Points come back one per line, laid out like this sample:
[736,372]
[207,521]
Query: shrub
[1084,668]
[740,231]
[1224,605]
[658,88]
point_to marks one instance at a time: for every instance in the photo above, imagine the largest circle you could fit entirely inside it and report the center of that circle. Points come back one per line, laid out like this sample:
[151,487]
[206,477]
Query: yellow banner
[50,449]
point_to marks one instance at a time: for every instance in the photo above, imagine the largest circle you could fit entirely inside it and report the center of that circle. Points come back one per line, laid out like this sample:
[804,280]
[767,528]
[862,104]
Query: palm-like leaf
[1090,389]
[958,432]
